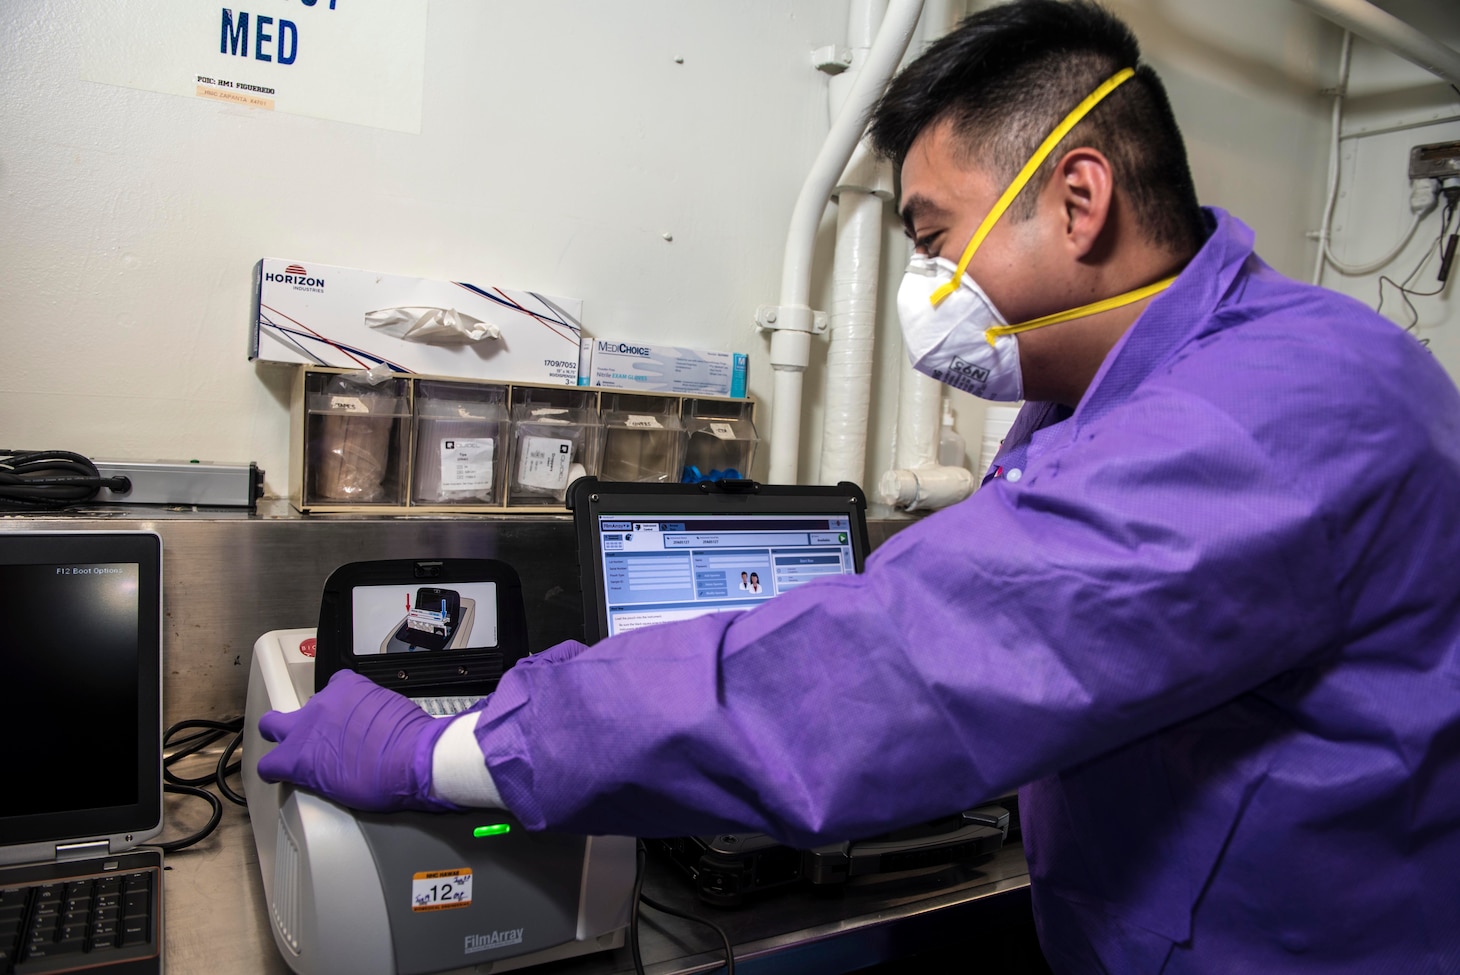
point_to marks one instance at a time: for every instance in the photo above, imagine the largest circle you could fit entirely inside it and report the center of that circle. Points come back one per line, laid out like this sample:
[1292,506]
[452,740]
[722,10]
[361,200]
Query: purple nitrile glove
[357,743]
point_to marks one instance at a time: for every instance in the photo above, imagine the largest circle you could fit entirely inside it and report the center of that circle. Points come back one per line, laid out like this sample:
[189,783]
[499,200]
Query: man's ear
[1085,187]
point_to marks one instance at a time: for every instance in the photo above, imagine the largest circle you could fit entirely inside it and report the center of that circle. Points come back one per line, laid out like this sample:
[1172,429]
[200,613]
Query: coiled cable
[48,480]
[205,732]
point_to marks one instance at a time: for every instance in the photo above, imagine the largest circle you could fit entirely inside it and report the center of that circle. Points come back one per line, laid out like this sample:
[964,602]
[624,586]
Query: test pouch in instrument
[318,314]
[431,627]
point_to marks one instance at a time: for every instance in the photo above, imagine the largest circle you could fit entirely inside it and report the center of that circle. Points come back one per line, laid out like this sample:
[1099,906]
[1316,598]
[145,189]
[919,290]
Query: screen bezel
[127,824]
[591,499]
[473,671]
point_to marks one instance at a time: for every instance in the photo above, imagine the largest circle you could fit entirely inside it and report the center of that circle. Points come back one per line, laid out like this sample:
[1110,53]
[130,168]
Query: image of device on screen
[432,622]
[414,619]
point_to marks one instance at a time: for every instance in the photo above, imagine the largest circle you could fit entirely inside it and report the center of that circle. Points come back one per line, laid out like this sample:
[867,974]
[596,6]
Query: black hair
[1007,75]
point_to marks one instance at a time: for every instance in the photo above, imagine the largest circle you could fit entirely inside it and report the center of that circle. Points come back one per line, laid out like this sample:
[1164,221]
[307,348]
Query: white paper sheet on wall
[361,61]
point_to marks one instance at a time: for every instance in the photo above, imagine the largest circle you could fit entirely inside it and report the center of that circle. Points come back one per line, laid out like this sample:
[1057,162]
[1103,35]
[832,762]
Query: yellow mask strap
[1094,308]
[1027,173]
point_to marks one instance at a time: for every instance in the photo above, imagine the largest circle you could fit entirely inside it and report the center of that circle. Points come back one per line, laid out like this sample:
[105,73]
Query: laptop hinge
[81,851]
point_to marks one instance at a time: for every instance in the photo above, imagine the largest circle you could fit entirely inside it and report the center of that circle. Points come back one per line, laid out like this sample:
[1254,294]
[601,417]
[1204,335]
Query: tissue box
[611,364]
[316,314]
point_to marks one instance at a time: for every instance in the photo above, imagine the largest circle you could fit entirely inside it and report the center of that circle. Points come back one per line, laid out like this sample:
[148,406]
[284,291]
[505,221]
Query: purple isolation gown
[1214,620]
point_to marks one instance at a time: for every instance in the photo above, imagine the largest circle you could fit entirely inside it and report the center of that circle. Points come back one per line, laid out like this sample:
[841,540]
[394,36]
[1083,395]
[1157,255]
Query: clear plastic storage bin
[460,444]
[556,438]
[643,438]
[355,436]
[720,440]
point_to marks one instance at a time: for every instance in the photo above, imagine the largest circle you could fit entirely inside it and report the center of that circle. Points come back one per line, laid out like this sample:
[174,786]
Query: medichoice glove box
[612,364]
[318,314]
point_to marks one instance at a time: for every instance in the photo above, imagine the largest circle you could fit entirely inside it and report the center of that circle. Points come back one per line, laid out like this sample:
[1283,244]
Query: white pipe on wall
[1339,91]
[786,399]
[919,417]
[863,19]
[853,329]
[916,480]
[1391,33]
[791,343]
[925,488]
[864,185]
[939,17]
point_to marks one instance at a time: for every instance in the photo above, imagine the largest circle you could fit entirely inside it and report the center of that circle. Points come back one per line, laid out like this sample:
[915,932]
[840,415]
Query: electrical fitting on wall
[1434,175]
[1426,193]
[1435,169]
[1430,167]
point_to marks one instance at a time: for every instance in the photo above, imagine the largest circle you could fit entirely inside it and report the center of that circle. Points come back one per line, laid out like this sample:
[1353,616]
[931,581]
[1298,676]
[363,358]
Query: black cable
[197,780]
[640,897]
[639,856]
[1447,258]
[225,770]
[48,480]
[210,731]
[1447,248]
[192,744]
[724,938]
[206,724]
[1404,289]
[205,732]
[172,846]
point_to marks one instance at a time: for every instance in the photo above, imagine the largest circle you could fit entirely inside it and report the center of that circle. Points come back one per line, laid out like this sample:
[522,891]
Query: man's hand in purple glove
[357,743]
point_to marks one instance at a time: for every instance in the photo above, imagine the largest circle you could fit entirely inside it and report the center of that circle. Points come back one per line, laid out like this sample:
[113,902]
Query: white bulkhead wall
[561,141]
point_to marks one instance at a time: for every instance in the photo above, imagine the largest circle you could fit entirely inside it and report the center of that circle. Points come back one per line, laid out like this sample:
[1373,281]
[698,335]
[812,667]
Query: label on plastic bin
[440,890]
[348,404]
[723,430]
[545,463]
[466,465]
[644,422]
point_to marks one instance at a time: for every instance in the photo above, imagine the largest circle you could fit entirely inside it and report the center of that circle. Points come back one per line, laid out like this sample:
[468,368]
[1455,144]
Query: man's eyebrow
[919,206]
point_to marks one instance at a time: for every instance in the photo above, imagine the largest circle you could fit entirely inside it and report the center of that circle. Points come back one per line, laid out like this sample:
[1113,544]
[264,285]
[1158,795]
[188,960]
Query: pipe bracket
[831,59]
[796,318]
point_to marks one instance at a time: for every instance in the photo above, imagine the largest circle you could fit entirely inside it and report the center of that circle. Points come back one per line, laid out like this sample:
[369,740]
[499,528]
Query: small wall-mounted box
[1438,160]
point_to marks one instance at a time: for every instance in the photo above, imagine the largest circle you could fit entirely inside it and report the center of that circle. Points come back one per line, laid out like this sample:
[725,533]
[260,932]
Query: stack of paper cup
[996,423]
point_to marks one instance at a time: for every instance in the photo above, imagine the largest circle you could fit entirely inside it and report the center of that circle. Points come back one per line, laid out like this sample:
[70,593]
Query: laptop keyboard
[59,927]
[443,707]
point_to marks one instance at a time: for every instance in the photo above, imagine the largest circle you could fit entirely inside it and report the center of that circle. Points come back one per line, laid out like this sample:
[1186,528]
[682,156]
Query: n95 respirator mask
[950,341]
[952,330]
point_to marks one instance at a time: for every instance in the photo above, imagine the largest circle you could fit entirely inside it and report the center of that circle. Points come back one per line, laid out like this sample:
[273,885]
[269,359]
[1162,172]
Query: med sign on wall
[360,61]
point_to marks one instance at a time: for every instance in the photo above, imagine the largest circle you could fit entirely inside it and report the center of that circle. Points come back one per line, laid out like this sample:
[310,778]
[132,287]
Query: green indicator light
[496,830]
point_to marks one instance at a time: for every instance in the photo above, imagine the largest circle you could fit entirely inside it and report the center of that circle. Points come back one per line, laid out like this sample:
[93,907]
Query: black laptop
[655,553]
[80,718]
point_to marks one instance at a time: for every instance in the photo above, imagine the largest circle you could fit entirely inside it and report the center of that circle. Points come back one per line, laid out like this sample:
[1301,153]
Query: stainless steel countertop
[230,577]
[216,920]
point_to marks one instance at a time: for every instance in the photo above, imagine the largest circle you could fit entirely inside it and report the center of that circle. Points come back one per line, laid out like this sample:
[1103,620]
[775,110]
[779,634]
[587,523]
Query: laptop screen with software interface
[673,567]
[80,694]
[657,553]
